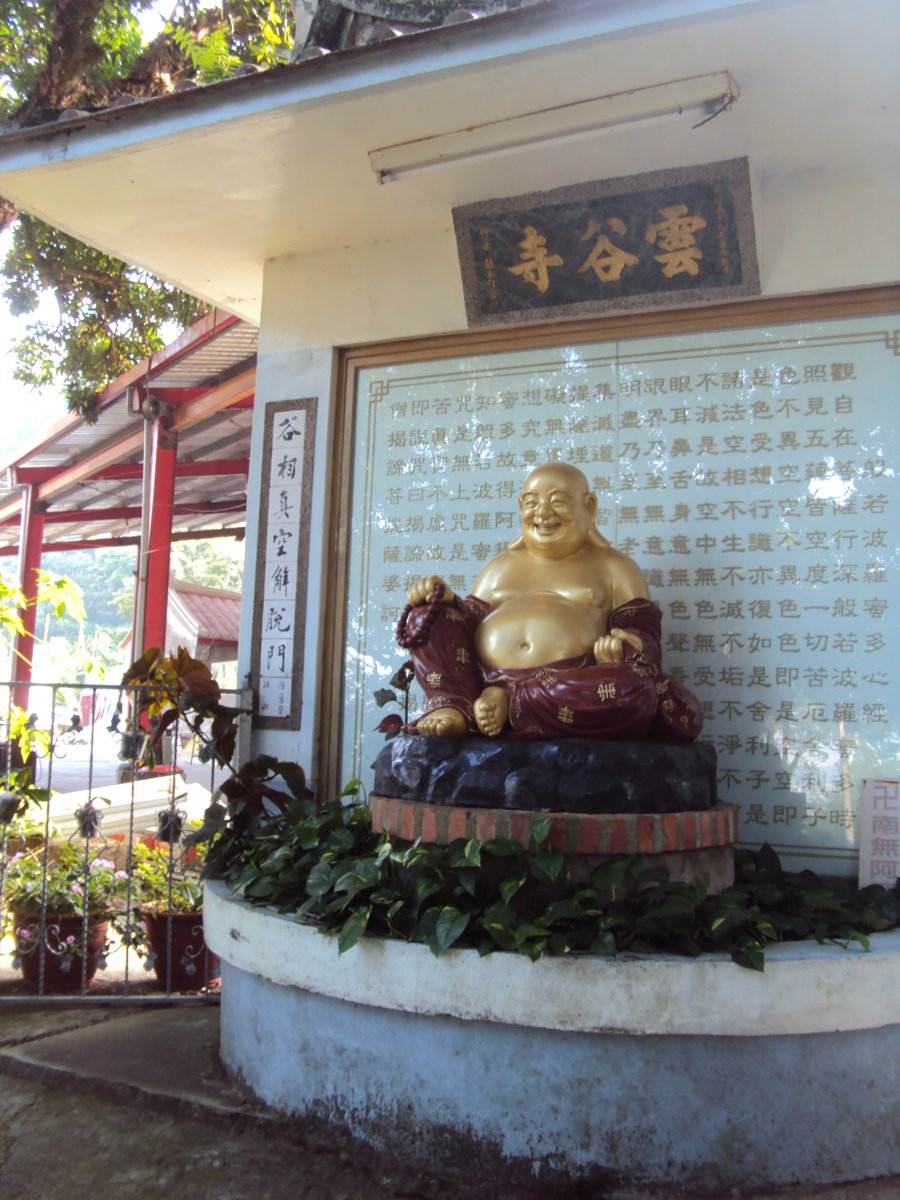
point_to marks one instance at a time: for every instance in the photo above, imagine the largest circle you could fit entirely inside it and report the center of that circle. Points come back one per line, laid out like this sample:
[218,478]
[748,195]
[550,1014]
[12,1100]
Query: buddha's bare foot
[491,711]
[442,722]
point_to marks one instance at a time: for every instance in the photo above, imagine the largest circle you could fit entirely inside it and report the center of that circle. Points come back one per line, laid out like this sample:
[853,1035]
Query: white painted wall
[826,229]
[364,294]
[816,231]
[310,305]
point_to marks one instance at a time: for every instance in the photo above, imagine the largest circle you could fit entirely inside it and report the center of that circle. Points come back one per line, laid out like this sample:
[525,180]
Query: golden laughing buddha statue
[559,637]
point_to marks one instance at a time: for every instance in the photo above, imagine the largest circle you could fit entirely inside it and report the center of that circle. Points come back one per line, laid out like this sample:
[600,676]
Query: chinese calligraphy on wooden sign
[282,563]
[669,237]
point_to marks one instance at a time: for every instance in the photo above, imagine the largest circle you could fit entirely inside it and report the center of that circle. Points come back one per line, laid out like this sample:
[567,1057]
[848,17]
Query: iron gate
[100,898]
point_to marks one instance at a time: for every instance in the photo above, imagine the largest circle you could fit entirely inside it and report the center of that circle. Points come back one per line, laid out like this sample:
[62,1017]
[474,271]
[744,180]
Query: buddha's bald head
[558,510]
[559,474]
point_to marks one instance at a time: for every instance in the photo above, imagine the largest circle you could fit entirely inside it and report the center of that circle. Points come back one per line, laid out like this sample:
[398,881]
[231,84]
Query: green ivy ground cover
[328,865]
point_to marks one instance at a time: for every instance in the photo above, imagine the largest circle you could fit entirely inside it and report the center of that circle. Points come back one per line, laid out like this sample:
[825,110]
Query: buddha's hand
[422,591]
[611,648]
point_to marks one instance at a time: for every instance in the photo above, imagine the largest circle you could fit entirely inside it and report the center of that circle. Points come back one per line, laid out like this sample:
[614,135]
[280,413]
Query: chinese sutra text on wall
[752,477]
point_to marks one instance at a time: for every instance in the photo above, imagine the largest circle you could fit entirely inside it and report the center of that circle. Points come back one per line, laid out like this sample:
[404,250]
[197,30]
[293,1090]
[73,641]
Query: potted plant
[61,903]
[167,894]
[19,748]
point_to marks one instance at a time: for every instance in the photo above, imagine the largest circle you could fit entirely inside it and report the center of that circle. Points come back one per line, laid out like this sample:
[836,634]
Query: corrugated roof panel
[224,347]
[215,358]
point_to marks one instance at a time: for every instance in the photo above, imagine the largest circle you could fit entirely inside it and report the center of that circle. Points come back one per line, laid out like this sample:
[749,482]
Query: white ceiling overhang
[204,187]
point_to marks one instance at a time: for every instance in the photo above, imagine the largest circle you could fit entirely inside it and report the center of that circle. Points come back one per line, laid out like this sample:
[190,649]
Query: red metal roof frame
[83,464]
[198,333]
[123,470]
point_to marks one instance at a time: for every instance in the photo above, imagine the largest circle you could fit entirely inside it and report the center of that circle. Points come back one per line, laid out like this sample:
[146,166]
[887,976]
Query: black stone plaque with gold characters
[682,236]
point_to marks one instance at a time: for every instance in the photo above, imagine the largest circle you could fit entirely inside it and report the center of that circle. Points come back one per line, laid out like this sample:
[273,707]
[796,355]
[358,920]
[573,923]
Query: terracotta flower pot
[65,970]
[192,965]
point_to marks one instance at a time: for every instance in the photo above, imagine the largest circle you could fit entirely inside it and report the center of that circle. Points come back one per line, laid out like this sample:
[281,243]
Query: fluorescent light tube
[703,94]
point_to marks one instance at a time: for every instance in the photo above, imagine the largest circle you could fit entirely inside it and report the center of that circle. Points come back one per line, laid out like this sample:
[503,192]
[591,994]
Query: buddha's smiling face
[557,511]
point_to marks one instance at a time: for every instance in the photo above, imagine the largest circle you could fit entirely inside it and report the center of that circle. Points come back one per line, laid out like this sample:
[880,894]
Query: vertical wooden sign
[282,563]
[879,832]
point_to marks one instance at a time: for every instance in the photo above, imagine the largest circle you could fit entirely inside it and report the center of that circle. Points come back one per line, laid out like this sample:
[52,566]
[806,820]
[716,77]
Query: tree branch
[71,51]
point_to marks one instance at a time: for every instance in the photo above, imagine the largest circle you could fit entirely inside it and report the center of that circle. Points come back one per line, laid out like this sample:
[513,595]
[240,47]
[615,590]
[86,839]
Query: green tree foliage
[90,633]
[57,54]
[246,33]
[111,315]
[213,562]
[106,578]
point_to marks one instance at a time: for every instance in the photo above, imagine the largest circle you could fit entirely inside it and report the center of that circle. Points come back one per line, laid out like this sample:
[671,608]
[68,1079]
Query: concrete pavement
[116,1101]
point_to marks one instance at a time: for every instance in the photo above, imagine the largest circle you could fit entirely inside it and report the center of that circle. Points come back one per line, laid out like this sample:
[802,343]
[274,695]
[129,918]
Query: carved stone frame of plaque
[663,238]
[282,563]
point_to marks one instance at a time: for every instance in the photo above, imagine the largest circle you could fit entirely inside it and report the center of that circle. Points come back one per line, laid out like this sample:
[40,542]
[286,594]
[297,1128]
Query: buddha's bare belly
[529,631]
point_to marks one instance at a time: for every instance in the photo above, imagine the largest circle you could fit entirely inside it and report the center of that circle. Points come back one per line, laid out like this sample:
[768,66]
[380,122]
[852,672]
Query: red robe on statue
[631,700]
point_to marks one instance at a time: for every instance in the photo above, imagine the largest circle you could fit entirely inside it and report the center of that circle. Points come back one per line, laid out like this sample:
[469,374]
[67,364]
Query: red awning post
[164,453]
[30,542]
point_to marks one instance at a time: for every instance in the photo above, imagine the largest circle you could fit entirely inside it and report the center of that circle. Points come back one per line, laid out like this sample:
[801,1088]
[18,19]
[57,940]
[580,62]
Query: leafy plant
[179,687]
[498,895]
[328,865]
[57,902]
[402,679]
[30,828]
[63,881]
[164,881]
[23,739]
[59,596]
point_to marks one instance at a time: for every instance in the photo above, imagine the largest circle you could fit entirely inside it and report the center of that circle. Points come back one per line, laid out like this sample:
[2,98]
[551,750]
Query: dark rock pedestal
[573,775]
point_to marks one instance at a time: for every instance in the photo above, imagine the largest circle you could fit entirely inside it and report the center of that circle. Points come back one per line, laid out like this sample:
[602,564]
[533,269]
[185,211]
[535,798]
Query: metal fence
[100,896]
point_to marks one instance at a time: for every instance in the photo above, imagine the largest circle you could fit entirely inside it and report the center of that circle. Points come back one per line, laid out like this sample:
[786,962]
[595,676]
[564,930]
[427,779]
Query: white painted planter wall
[648,1069]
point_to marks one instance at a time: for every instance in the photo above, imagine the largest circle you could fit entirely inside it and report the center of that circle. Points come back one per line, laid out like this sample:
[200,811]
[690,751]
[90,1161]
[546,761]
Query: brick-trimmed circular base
[572,833]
